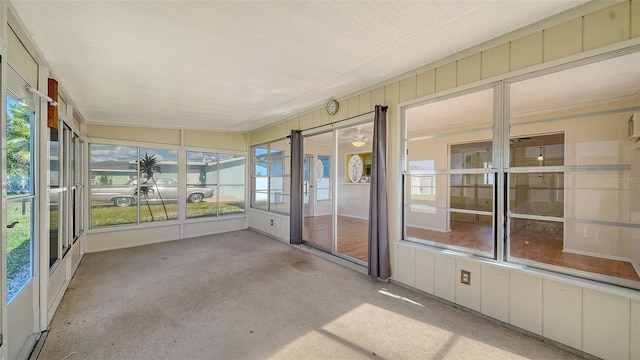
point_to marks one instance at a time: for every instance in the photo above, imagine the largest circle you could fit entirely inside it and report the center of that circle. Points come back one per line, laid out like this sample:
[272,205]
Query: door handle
[10,226]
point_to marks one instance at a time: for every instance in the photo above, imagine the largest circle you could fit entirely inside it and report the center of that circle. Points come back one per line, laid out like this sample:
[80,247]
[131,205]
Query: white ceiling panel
[240,65]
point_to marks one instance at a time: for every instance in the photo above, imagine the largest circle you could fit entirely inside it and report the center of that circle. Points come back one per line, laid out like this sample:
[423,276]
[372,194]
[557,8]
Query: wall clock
[318,170]
[354,168]
[332,107]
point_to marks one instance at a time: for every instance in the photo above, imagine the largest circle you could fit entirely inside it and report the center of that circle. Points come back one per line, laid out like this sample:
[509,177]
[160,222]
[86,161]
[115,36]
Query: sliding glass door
[336,178]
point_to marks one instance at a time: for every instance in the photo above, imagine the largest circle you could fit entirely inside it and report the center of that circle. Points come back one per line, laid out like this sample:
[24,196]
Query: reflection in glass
[20,197]
[113,168]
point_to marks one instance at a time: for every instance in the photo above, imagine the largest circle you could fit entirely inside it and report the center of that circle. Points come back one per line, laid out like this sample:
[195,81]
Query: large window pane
[220,174]
[113,168]
[270,180]
[580,215]
[20,196]
[449,173]
[202,176]
[231,190]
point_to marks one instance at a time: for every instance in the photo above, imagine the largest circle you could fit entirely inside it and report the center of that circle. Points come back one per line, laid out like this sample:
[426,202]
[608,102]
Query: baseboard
[269,235]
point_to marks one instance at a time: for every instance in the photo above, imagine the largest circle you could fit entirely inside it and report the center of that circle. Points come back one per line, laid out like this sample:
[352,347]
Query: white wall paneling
[445,277]
[406,265]
[425,266]
[606,324]
[562,316]
[270,223]
[494,292]
[525,302]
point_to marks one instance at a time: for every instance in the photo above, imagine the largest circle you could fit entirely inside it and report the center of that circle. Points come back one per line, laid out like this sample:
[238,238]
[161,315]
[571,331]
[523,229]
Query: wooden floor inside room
[539,246]
[352,234]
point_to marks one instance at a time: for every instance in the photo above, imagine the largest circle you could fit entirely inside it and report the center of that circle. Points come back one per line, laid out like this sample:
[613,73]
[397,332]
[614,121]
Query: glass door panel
[20,197]
[352,193]
[21,240]
[317,228]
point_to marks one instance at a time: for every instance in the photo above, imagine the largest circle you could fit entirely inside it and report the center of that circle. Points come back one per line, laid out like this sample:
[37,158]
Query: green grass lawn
[104,213]
[18,244]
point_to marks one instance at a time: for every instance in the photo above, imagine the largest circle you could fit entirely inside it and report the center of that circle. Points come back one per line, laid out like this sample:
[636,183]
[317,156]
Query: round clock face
[318,170]
[332,107]
[354,168]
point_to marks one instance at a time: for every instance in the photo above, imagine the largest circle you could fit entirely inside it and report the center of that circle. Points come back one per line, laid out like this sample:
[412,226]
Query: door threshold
[335,258]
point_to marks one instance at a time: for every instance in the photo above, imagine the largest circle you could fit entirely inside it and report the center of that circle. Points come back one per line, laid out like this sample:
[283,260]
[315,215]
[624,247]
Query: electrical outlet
[271,222]
[465,277]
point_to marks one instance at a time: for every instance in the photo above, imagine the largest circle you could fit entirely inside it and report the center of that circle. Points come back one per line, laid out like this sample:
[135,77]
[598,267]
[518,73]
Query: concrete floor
[242,295]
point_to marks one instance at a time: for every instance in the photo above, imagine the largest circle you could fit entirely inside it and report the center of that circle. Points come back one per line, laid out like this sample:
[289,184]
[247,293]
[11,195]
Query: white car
[163,190]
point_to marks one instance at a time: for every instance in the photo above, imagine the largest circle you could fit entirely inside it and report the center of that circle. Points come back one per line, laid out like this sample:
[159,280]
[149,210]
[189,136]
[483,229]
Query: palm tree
[148,165]
[18,140]
[18,147]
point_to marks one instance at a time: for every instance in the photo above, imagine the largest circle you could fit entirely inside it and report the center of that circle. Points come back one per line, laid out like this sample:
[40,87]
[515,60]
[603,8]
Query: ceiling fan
[359,140]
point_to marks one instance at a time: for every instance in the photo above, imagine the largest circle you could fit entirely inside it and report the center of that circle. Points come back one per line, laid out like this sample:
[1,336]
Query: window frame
[269,177]
[181,180]
[501,137]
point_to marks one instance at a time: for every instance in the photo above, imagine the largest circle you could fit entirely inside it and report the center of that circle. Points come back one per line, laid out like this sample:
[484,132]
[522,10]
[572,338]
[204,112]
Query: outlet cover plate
[465,277]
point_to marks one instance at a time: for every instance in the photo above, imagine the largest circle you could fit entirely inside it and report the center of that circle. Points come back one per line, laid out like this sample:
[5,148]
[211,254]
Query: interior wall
[137,134]
[353,199]
[600,320]
[216,139]
[20,59]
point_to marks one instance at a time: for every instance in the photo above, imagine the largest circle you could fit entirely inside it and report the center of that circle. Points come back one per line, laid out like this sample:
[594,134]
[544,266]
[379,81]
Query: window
[131,184]
[561,163]
[270,189]
[449,173]
[574,174]
[215,184]
[112,167]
